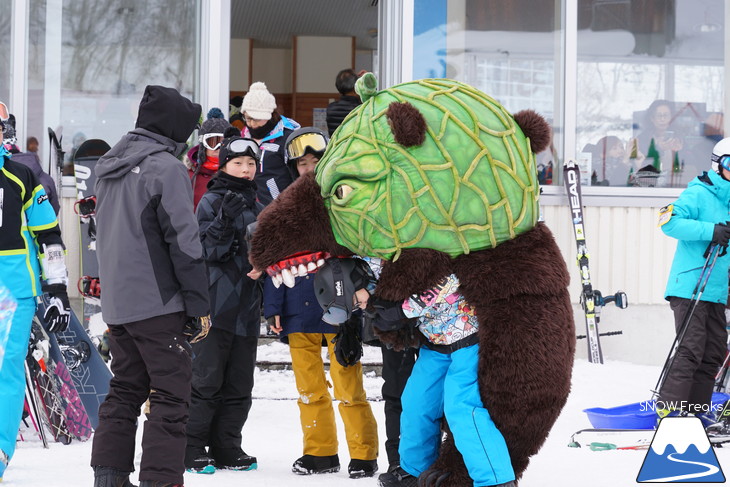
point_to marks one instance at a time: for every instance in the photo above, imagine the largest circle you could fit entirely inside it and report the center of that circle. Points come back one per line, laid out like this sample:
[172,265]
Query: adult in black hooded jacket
[223,368]
[151,264]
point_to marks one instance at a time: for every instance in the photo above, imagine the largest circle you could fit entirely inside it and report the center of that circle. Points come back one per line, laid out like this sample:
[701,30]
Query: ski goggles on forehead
[312,141]
[211,141]
[724,162]
[242,147]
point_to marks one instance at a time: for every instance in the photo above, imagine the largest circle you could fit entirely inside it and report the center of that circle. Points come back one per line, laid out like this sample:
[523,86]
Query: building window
[650,90]
[500,49]
[89,63]
[650,78]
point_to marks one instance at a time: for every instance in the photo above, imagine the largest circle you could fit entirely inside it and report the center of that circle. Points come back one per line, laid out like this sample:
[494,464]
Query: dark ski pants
[397,368]
[699,356]
[223,371]
[150,358]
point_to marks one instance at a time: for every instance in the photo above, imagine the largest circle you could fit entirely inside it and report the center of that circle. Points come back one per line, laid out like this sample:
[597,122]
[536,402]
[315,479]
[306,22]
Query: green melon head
[432,163]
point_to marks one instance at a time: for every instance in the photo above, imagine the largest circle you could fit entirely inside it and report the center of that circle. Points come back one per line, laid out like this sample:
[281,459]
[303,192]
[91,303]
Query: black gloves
[58,310]
[386,315]
[721,234]
[232,205]
[196,328]
[348,343]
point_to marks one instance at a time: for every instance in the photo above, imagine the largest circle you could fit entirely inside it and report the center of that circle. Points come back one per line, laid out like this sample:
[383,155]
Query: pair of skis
[591,300]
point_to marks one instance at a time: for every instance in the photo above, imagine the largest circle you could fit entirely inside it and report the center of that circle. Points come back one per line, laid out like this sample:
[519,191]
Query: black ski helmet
[305,140]
[234,146]
[335,284]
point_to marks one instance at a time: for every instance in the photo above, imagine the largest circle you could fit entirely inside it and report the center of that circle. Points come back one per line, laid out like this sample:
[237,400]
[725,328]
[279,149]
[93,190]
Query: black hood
[166,112]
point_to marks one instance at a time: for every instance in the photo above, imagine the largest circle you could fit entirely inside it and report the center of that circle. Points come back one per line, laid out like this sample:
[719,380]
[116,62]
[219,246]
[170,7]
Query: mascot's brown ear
[536,128]
[407,124]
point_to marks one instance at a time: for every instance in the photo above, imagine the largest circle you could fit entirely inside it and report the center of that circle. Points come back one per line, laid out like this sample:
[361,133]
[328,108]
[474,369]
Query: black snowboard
[84,162]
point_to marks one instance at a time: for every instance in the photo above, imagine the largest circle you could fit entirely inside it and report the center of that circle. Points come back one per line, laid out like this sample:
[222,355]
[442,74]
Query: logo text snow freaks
[679,405]
[338,288]
[573,196]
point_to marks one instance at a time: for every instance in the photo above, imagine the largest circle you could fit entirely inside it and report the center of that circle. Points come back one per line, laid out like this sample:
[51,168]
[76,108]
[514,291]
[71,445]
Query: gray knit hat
[215,123]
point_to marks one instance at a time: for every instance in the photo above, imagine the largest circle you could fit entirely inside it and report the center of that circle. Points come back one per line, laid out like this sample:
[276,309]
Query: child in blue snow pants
[445,384]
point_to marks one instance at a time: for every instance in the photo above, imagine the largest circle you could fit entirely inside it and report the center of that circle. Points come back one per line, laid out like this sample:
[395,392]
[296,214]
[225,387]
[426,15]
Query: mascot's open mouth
[296,265]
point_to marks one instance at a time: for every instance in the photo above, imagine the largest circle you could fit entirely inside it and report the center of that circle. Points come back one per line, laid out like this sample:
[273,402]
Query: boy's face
[306,163]
[241,167]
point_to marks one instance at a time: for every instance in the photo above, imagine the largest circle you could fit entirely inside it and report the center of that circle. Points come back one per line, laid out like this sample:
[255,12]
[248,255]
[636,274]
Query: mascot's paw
[400,340]
[434,477]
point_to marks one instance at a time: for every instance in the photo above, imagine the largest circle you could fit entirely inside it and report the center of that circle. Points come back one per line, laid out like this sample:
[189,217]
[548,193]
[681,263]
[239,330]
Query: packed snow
[272,434]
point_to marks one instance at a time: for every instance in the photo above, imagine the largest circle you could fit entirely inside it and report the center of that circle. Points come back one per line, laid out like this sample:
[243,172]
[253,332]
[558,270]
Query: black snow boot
[397,477]
[197,460]
[309,464]
[232,459]
[111,477]
[362,468]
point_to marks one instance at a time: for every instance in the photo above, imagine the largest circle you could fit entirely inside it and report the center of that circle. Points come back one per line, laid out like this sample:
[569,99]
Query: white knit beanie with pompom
[258,102]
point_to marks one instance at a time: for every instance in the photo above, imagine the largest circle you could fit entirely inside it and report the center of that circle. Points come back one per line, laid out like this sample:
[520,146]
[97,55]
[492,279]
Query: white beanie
[258,102]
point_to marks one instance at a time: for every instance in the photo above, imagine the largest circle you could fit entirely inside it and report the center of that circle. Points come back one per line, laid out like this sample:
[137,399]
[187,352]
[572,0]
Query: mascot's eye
[342,191]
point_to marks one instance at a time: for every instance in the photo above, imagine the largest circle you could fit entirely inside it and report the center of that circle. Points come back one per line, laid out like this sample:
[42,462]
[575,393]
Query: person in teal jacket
[698,219]
[32,261]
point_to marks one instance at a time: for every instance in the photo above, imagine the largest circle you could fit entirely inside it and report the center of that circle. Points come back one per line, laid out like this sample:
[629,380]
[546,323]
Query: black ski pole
[721,376]
[711,258]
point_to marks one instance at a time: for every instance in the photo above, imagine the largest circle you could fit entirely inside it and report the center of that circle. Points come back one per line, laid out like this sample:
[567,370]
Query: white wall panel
[273,67]
[239,64]
[627,250]
[319,59]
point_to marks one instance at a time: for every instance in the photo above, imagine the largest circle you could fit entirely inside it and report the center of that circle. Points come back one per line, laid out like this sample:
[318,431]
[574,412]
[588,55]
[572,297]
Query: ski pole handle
[711,247]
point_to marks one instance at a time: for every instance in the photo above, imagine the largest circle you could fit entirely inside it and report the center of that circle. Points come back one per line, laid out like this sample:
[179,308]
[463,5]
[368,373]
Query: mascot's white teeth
[287,277]
[276,280]
[286,270]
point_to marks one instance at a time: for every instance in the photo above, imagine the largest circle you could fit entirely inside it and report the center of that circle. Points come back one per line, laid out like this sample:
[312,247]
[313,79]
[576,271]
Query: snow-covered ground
[273,435]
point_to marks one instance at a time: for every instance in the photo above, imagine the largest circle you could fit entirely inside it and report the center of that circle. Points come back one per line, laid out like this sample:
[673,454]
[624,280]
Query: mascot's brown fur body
[519,292]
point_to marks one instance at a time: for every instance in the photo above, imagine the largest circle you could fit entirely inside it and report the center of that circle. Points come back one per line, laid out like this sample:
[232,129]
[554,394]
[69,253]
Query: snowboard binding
[89,287]
[86,207]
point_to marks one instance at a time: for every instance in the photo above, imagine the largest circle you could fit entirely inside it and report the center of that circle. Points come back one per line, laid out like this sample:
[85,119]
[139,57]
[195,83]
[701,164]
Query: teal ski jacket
[27,221]
[705,202]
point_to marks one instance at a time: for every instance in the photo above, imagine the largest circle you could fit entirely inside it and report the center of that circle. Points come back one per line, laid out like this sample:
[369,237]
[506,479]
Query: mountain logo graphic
[680,452]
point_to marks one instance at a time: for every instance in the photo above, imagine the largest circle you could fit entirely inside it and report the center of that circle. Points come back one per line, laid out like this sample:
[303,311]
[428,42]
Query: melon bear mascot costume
[437,178]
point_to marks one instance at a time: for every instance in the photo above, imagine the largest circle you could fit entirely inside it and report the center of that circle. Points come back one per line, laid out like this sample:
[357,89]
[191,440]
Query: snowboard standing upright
[84,162]
[79,365]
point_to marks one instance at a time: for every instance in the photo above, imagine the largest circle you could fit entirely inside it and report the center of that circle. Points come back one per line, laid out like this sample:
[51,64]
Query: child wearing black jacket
[223,364]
